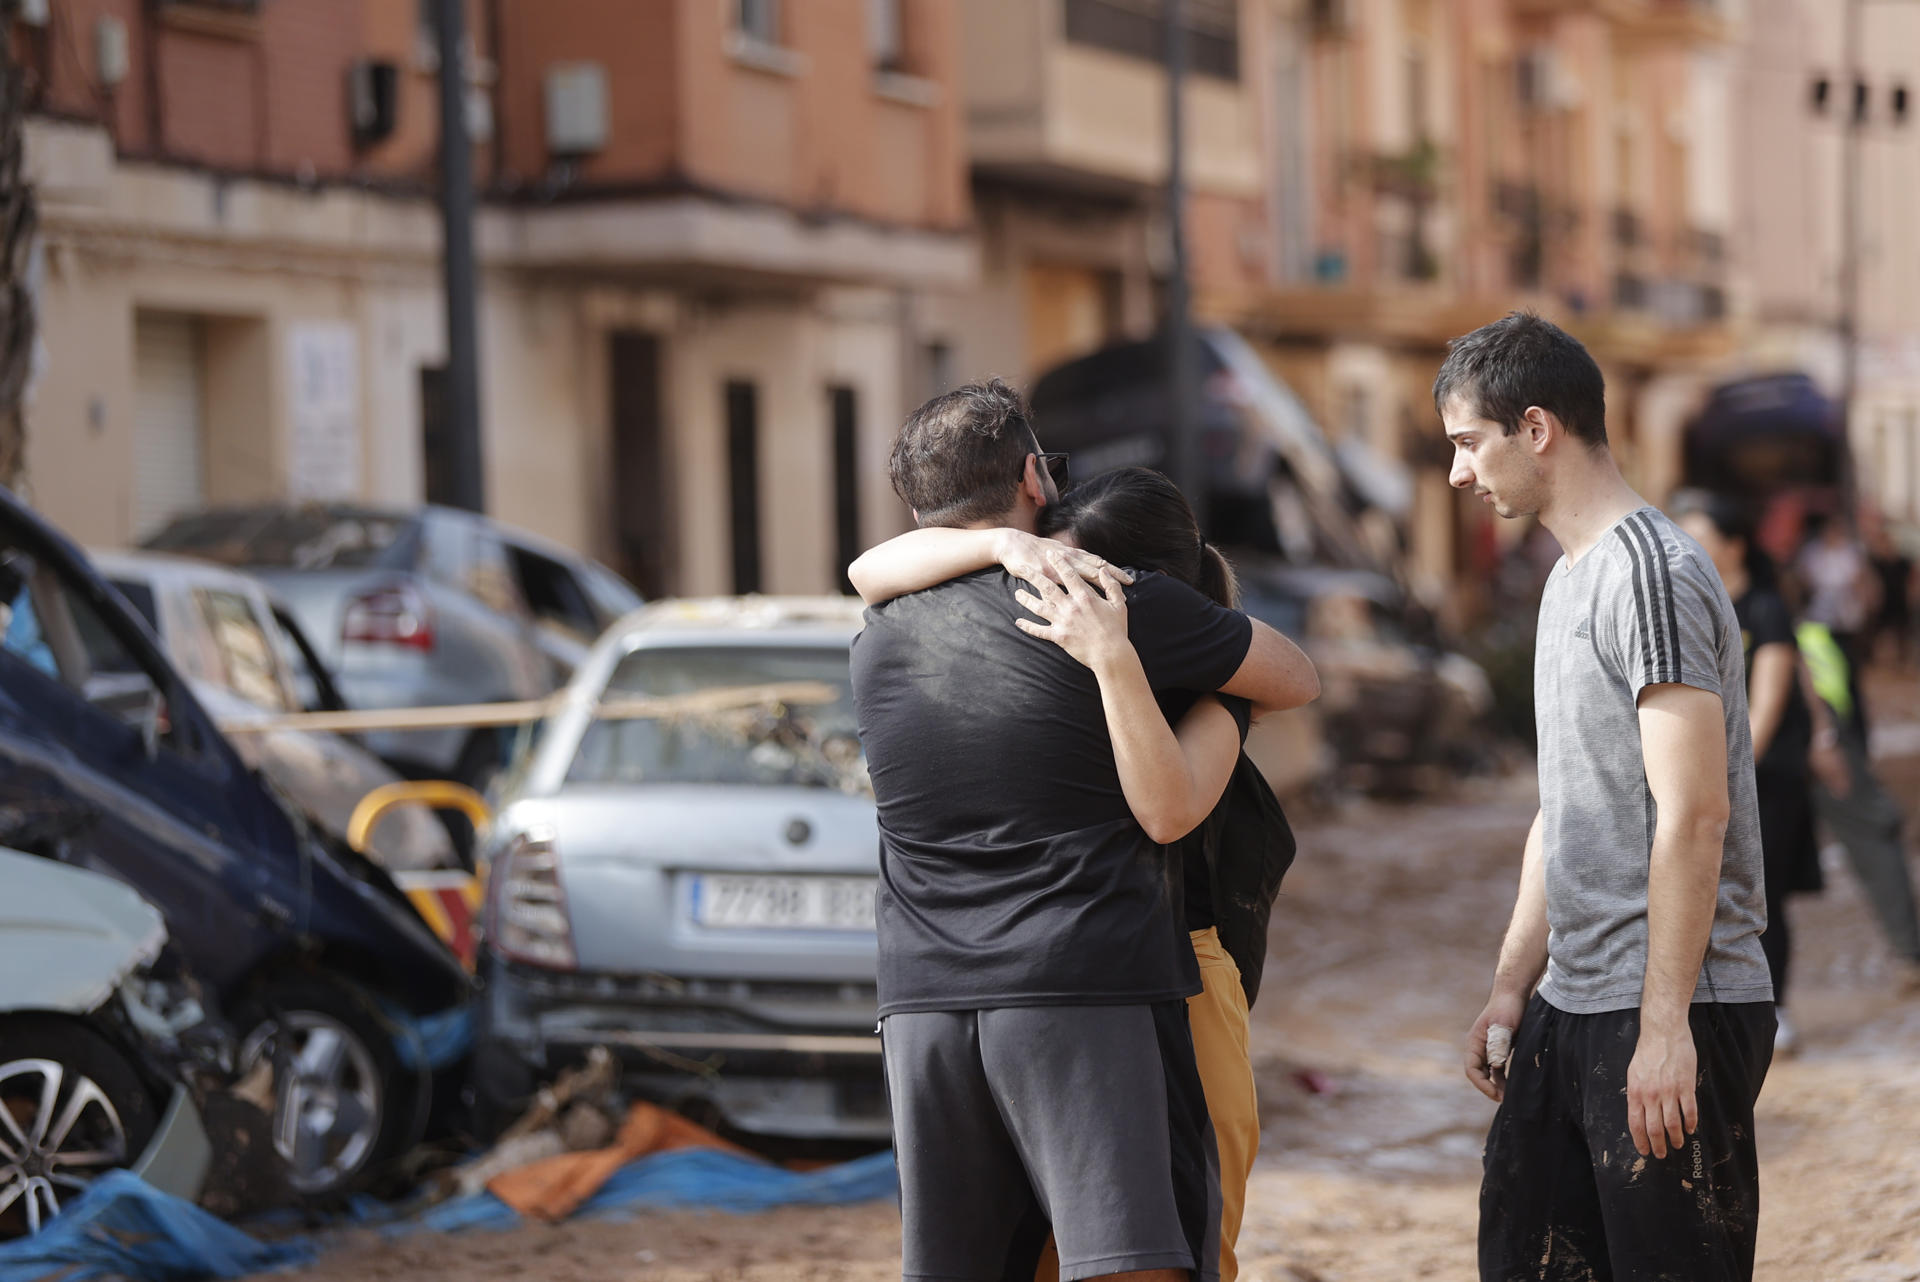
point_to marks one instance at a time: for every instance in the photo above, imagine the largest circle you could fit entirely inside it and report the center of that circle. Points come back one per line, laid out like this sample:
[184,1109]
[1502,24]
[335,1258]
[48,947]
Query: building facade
[708,232]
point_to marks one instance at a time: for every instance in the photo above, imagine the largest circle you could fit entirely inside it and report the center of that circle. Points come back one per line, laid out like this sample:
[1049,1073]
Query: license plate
[783,903]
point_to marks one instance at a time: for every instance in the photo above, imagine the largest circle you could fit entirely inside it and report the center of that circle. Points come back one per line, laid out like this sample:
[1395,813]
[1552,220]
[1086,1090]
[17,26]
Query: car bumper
[179,1156]
[803,1080]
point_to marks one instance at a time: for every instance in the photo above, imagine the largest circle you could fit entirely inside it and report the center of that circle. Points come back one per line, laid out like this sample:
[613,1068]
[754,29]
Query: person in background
[1791,735]
[1893,625]
[1857,809]
[1840,586]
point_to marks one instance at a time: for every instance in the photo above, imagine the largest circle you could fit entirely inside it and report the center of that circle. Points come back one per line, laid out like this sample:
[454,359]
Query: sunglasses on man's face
[1056,465]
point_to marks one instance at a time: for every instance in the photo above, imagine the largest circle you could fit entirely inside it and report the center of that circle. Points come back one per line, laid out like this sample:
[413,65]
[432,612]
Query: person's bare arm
[1523,958]
[1771,685]
[1824,755]
[1172,780]
[1275,675]
[1683,742]
[922,558]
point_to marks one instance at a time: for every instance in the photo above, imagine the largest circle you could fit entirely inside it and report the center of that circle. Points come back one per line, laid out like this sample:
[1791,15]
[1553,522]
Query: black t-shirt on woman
[1012,872]
[1765,620]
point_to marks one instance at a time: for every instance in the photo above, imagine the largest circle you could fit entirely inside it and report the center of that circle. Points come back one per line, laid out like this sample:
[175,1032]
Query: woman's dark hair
[1137,518]
[1734,519]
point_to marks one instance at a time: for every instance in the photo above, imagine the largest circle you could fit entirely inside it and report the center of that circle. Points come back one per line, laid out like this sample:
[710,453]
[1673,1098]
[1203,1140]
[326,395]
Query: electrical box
[110,51]
[373,100]
[576,108]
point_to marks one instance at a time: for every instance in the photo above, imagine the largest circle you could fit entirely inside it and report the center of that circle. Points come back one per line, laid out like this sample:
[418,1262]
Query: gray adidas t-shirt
[1643,607]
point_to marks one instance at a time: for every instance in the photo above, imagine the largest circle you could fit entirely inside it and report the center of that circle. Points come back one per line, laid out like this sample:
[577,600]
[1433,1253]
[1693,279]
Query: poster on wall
[323,461]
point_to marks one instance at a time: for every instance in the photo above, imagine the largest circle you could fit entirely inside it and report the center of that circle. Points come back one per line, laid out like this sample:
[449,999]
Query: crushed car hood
[69,936]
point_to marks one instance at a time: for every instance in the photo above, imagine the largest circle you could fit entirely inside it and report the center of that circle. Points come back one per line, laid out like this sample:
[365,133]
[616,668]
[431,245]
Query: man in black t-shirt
[1032,969]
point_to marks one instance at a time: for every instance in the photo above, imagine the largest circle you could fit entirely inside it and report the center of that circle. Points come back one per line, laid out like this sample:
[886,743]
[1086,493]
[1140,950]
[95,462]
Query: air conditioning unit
[373,100]
[576,108]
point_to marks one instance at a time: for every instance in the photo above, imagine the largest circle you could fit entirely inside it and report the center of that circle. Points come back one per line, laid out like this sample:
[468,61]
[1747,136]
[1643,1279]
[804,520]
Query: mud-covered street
[1382,946]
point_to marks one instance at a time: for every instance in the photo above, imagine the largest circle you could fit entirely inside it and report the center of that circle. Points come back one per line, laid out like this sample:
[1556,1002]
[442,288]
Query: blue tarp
[695,1177]
[122,1227]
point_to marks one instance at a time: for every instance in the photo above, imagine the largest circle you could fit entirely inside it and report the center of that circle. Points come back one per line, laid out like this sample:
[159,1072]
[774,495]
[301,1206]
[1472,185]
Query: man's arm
[1523,957]
[1276,674]
[1683,740]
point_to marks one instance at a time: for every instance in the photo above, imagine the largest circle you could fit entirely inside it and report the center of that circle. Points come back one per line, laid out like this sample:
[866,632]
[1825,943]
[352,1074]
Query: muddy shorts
[1566,1197]
[1090,1120]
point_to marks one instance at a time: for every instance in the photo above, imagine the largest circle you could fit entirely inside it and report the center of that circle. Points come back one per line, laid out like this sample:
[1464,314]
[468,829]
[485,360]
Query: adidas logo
[1582,631]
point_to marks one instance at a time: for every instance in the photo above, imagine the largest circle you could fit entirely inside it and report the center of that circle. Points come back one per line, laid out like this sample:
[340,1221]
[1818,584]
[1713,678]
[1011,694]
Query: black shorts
[1565,1196]
[1088,1119]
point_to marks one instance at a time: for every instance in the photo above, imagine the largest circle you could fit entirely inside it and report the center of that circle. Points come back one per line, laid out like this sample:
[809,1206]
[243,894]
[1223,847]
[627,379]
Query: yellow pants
[1218,1017]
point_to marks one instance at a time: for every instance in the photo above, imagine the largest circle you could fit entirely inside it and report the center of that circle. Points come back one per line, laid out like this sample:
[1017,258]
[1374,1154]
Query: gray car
[86,1083]
[221,631]
[695,891]
[419,608]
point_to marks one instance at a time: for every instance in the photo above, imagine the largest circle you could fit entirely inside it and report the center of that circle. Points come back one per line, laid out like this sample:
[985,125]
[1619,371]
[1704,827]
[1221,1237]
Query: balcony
[1072,94]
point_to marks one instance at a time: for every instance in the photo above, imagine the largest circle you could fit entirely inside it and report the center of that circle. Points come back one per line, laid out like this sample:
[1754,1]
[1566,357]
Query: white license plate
[783,903]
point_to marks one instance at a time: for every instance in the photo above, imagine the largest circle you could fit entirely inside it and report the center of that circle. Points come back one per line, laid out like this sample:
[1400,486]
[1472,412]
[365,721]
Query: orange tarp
[553,1188]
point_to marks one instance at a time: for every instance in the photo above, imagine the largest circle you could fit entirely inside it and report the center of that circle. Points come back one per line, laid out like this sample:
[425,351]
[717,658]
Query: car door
[105,762]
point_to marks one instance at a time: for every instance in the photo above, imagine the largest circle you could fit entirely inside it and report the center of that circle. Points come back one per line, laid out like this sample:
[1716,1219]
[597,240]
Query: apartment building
[708,232]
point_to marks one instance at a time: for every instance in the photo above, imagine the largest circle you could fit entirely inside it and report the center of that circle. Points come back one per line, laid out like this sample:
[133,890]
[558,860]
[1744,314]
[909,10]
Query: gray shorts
[1089,1120]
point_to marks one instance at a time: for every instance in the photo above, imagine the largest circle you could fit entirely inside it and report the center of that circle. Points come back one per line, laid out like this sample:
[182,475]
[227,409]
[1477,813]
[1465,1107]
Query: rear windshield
[299,539]
[802,736]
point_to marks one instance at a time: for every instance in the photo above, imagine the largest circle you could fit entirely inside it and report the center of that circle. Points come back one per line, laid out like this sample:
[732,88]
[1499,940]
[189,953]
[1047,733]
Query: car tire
[116,1118]
[342,1100]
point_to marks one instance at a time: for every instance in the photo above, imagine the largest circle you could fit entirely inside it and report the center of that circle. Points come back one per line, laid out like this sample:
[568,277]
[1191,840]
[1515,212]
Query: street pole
[1852,123]
[1188,469]
[456,208]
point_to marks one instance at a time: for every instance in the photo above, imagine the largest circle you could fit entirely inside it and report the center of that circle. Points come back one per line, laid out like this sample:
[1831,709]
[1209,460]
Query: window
[886,35]
[844,405]
[50,629]
[758,20]
[803,744]
[940,378]
[743,482]
[553,594]
[248,665]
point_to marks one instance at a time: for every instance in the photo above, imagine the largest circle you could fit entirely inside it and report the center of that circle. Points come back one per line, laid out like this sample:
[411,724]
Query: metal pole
[456,208]
[1188,466]
[1852,123]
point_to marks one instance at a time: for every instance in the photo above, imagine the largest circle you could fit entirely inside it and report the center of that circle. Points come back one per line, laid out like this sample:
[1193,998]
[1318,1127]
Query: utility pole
[1188,466]
[456,208]
[19,224]
[1853,121]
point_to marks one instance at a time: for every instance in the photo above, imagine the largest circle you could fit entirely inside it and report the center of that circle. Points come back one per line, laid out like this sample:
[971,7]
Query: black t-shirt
[1189,863]
[1765,620]
[1012,872]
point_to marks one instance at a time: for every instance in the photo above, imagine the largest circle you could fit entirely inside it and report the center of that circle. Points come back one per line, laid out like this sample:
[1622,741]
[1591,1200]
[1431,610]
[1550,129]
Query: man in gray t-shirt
[1624,1143]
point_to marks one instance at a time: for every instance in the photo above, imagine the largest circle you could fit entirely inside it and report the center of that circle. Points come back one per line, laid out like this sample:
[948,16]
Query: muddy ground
[1382,949]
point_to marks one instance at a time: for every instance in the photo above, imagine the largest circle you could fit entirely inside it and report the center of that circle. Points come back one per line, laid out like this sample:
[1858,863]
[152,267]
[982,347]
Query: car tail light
[530,921]
[393,615]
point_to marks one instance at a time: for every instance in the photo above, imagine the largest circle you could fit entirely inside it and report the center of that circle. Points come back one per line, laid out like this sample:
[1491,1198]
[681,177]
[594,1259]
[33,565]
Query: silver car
[419,608]
[85,1082]
[221,632]
[695,890]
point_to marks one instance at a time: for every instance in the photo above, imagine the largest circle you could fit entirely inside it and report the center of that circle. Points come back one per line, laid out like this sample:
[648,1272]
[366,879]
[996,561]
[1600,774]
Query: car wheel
[72,1107]
[338,1087]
